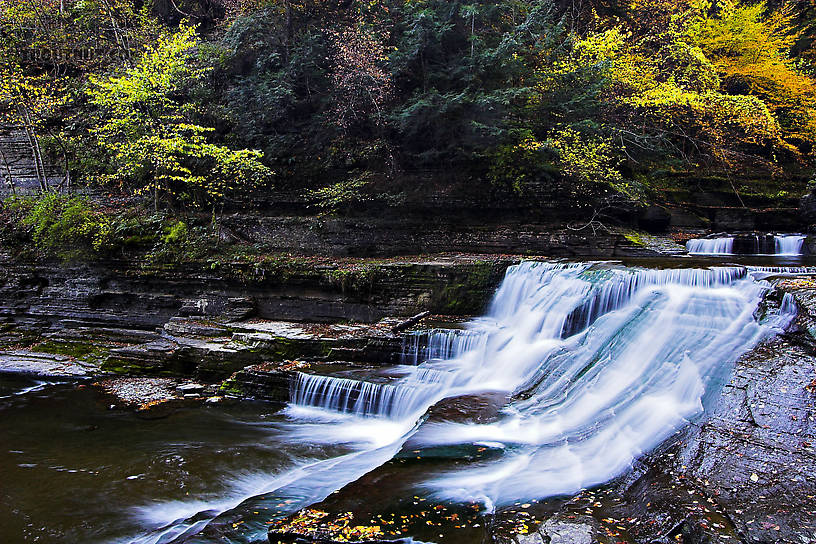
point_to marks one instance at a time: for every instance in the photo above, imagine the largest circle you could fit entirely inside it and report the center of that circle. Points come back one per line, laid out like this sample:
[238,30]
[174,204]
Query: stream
[575,370]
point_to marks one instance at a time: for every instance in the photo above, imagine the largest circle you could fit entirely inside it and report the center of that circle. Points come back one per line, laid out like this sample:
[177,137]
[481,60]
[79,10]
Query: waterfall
[620,286]
[761,272]
[780,244]
[422,346]
[789,244]
[788,306]
[650,346]
[711,246]
[601,362]
[598,363]
[362,398]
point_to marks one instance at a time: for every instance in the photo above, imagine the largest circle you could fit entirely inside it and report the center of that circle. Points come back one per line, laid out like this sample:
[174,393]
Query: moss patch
[84,351]
[635,238]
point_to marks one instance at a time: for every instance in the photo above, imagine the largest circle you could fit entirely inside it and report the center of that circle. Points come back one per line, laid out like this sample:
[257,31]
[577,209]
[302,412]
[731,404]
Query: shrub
[75,227]
[65,226]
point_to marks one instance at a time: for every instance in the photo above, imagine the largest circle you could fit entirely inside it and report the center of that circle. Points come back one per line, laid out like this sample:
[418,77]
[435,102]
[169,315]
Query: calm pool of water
[75,471]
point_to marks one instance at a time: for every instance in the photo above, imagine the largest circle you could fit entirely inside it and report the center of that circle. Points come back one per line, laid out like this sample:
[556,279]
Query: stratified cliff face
[123,294]
[20,173]
[189,322]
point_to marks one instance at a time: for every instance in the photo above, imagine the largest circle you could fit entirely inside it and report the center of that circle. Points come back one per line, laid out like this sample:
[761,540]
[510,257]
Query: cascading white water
[590,404]
[364,398]
[438,344]
[780,244]
[711,246]
[600,363]
[788,305]
[603,363]
[617,290]
[789,245]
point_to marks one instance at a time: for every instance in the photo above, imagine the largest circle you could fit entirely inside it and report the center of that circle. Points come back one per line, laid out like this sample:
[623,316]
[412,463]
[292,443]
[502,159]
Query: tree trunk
[9,177]
[288,4]
[399,327]
[66,180]
[36,153]
[472,36]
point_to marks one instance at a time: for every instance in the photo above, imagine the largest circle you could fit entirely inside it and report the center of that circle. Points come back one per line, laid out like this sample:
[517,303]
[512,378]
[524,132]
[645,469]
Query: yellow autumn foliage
[718,74]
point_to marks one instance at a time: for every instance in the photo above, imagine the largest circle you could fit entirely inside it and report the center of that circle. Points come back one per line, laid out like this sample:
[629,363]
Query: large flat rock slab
[213,352]
[43,365]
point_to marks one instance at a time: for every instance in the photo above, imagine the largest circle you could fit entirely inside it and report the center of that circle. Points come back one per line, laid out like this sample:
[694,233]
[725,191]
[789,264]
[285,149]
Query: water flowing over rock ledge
[739,475]
[731,477]
[750,244]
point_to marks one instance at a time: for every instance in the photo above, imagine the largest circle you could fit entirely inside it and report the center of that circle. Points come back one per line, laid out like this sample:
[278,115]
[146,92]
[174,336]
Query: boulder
[566,532]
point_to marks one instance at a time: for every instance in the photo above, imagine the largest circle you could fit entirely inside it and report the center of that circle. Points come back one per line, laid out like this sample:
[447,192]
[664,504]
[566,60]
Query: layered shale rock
[126,296]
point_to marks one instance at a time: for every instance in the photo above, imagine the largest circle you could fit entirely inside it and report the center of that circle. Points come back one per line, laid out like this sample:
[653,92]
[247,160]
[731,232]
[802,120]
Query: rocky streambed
[742,473]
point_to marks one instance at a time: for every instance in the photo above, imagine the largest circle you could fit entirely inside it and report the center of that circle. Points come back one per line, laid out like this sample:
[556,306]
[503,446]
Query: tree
[28,102]
[750,48]
[47,47]
[463,70]
[589,160]
[668,93]
[152,141]
[69,37]
[204,12]
[361,83]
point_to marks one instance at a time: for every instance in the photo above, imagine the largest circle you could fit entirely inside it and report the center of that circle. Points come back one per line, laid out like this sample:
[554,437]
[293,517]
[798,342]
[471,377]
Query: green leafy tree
[588,159]
[150,135]
[47,47]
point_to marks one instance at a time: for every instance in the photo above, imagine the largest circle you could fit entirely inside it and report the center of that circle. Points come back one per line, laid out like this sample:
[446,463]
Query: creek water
[574,371]
[786,245]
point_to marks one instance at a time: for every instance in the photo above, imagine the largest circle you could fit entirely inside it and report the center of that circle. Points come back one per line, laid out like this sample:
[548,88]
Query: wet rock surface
[153,398]
[755,451]
[41,365]
[557,531]
[267,382]
[661,245]
[139,391]
[128,320]
[206,349]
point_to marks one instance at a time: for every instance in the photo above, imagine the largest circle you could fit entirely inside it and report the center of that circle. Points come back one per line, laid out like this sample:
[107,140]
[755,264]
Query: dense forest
[198,104]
